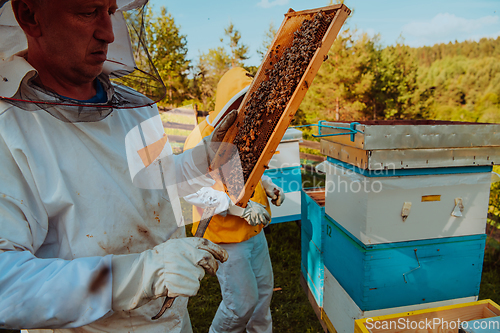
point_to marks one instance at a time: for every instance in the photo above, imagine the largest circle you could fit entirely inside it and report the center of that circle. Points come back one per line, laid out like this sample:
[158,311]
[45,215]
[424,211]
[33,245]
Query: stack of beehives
[405,216]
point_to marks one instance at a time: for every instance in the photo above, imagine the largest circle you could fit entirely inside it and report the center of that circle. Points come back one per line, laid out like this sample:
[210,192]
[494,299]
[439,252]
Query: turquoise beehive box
[404,273]
[312,234]
[285,171]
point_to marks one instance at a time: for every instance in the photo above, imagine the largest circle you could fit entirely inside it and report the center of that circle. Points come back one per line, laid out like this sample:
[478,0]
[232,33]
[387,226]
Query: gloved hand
[173,268]
[209,197]
[205,150]
[274,192]
[254,213]
[220,131]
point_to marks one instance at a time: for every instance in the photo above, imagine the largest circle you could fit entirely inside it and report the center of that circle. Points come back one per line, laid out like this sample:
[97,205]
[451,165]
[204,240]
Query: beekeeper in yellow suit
[246,279]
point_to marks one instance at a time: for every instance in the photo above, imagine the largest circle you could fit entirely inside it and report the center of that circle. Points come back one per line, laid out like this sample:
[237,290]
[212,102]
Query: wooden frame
[283,38]
[452,313]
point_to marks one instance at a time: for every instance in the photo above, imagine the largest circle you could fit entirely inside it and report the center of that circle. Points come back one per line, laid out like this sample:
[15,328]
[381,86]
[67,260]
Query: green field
[176,131]
[176,118]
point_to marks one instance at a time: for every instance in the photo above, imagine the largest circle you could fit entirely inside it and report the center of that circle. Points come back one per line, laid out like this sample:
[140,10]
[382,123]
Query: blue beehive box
[486,325]
[290,180]
[312,266]
[397,274]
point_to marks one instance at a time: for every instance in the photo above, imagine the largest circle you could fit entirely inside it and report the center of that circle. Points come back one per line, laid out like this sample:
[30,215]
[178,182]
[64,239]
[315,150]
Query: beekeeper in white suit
[88,238]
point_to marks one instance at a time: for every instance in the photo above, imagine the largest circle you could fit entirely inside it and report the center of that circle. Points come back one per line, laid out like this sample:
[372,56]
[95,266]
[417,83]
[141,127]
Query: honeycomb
[289,67]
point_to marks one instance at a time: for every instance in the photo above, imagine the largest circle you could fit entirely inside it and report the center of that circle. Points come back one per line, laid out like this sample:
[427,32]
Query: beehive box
[434,320]
[285,171]
[405,273]
[413,134]
[293,59]
[485,325]
[287,154]
[340,311]
[408,204]
[383,159]
[312,233]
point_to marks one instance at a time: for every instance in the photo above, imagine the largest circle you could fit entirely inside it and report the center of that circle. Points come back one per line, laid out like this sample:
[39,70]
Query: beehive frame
[274,132]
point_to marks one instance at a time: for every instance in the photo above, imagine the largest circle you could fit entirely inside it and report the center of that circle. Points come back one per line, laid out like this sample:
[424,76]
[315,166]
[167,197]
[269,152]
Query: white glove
[274,192]
[254,213]
[174,268]
[209,197]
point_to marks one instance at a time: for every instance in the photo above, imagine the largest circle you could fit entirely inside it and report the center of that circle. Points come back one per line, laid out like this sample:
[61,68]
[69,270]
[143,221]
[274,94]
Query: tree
[266,42]
[239,52]
[167,52]
[397,92]
[214,63]
[360,80]
[210,68]
[486,47]
[464,89]
[342,89]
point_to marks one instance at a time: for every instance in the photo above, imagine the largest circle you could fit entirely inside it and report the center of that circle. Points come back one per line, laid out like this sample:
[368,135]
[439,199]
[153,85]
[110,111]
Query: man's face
[74,37]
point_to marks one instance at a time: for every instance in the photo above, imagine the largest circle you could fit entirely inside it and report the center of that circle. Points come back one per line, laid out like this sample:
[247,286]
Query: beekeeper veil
[128,65]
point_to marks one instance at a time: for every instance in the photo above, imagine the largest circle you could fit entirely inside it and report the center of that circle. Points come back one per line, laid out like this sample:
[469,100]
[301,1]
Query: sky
[419,23]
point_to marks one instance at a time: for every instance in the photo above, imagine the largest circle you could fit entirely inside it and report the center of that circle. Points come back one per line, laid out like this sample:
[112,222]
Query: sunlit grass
[290,308]
[490,280]
[176,131]
[310,151]
[177,118]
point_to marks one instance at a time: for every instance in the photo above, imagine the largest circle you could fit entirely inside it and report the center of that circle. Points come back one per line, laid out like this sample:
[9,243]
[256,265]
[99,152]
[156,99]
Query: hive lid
[388,159]
[292,134]
[415,134]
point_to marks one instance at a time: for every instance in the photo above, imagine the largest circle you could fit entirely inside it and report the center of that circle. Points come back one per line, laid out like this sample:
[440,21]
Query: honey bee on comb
[293,59]
[269,100]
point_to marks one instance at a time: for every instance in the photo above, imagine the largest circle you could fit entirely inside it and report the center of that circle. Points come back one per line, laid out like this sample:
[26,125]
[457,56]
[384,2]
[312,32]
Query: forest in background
[360,80]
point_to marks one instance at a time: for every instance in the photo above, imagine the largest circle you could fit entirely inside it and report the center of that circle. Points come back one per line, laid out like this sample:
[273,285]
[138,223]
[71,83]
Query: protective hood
[13,39]
[230,92]
[120,65]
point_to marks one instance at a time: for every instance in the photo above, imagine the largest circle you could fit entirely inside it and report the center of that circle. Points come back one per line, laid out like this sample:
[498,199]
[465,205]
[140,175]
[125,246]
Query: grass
[176,118]
[310,151]
[490,280]
[177,147]
[290,308]
[291,311]
[176,131]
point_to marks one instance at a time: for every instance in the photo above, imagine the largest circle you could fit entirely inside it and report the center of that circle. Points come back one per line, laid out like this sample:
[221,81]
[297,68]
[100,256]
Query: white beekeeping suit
[85,241]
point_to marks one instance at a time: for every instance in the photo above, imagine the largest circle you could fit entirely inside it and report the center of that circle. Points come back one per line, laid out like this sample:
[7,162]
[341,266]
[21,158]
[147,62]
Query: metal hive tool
[289,67]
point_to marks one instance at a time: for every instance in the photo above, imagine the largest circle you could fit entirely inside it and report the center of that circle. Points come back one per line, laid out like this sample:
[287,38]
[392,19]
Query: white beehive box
[340,311]
[386,208]
[285,171]
[287,154]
